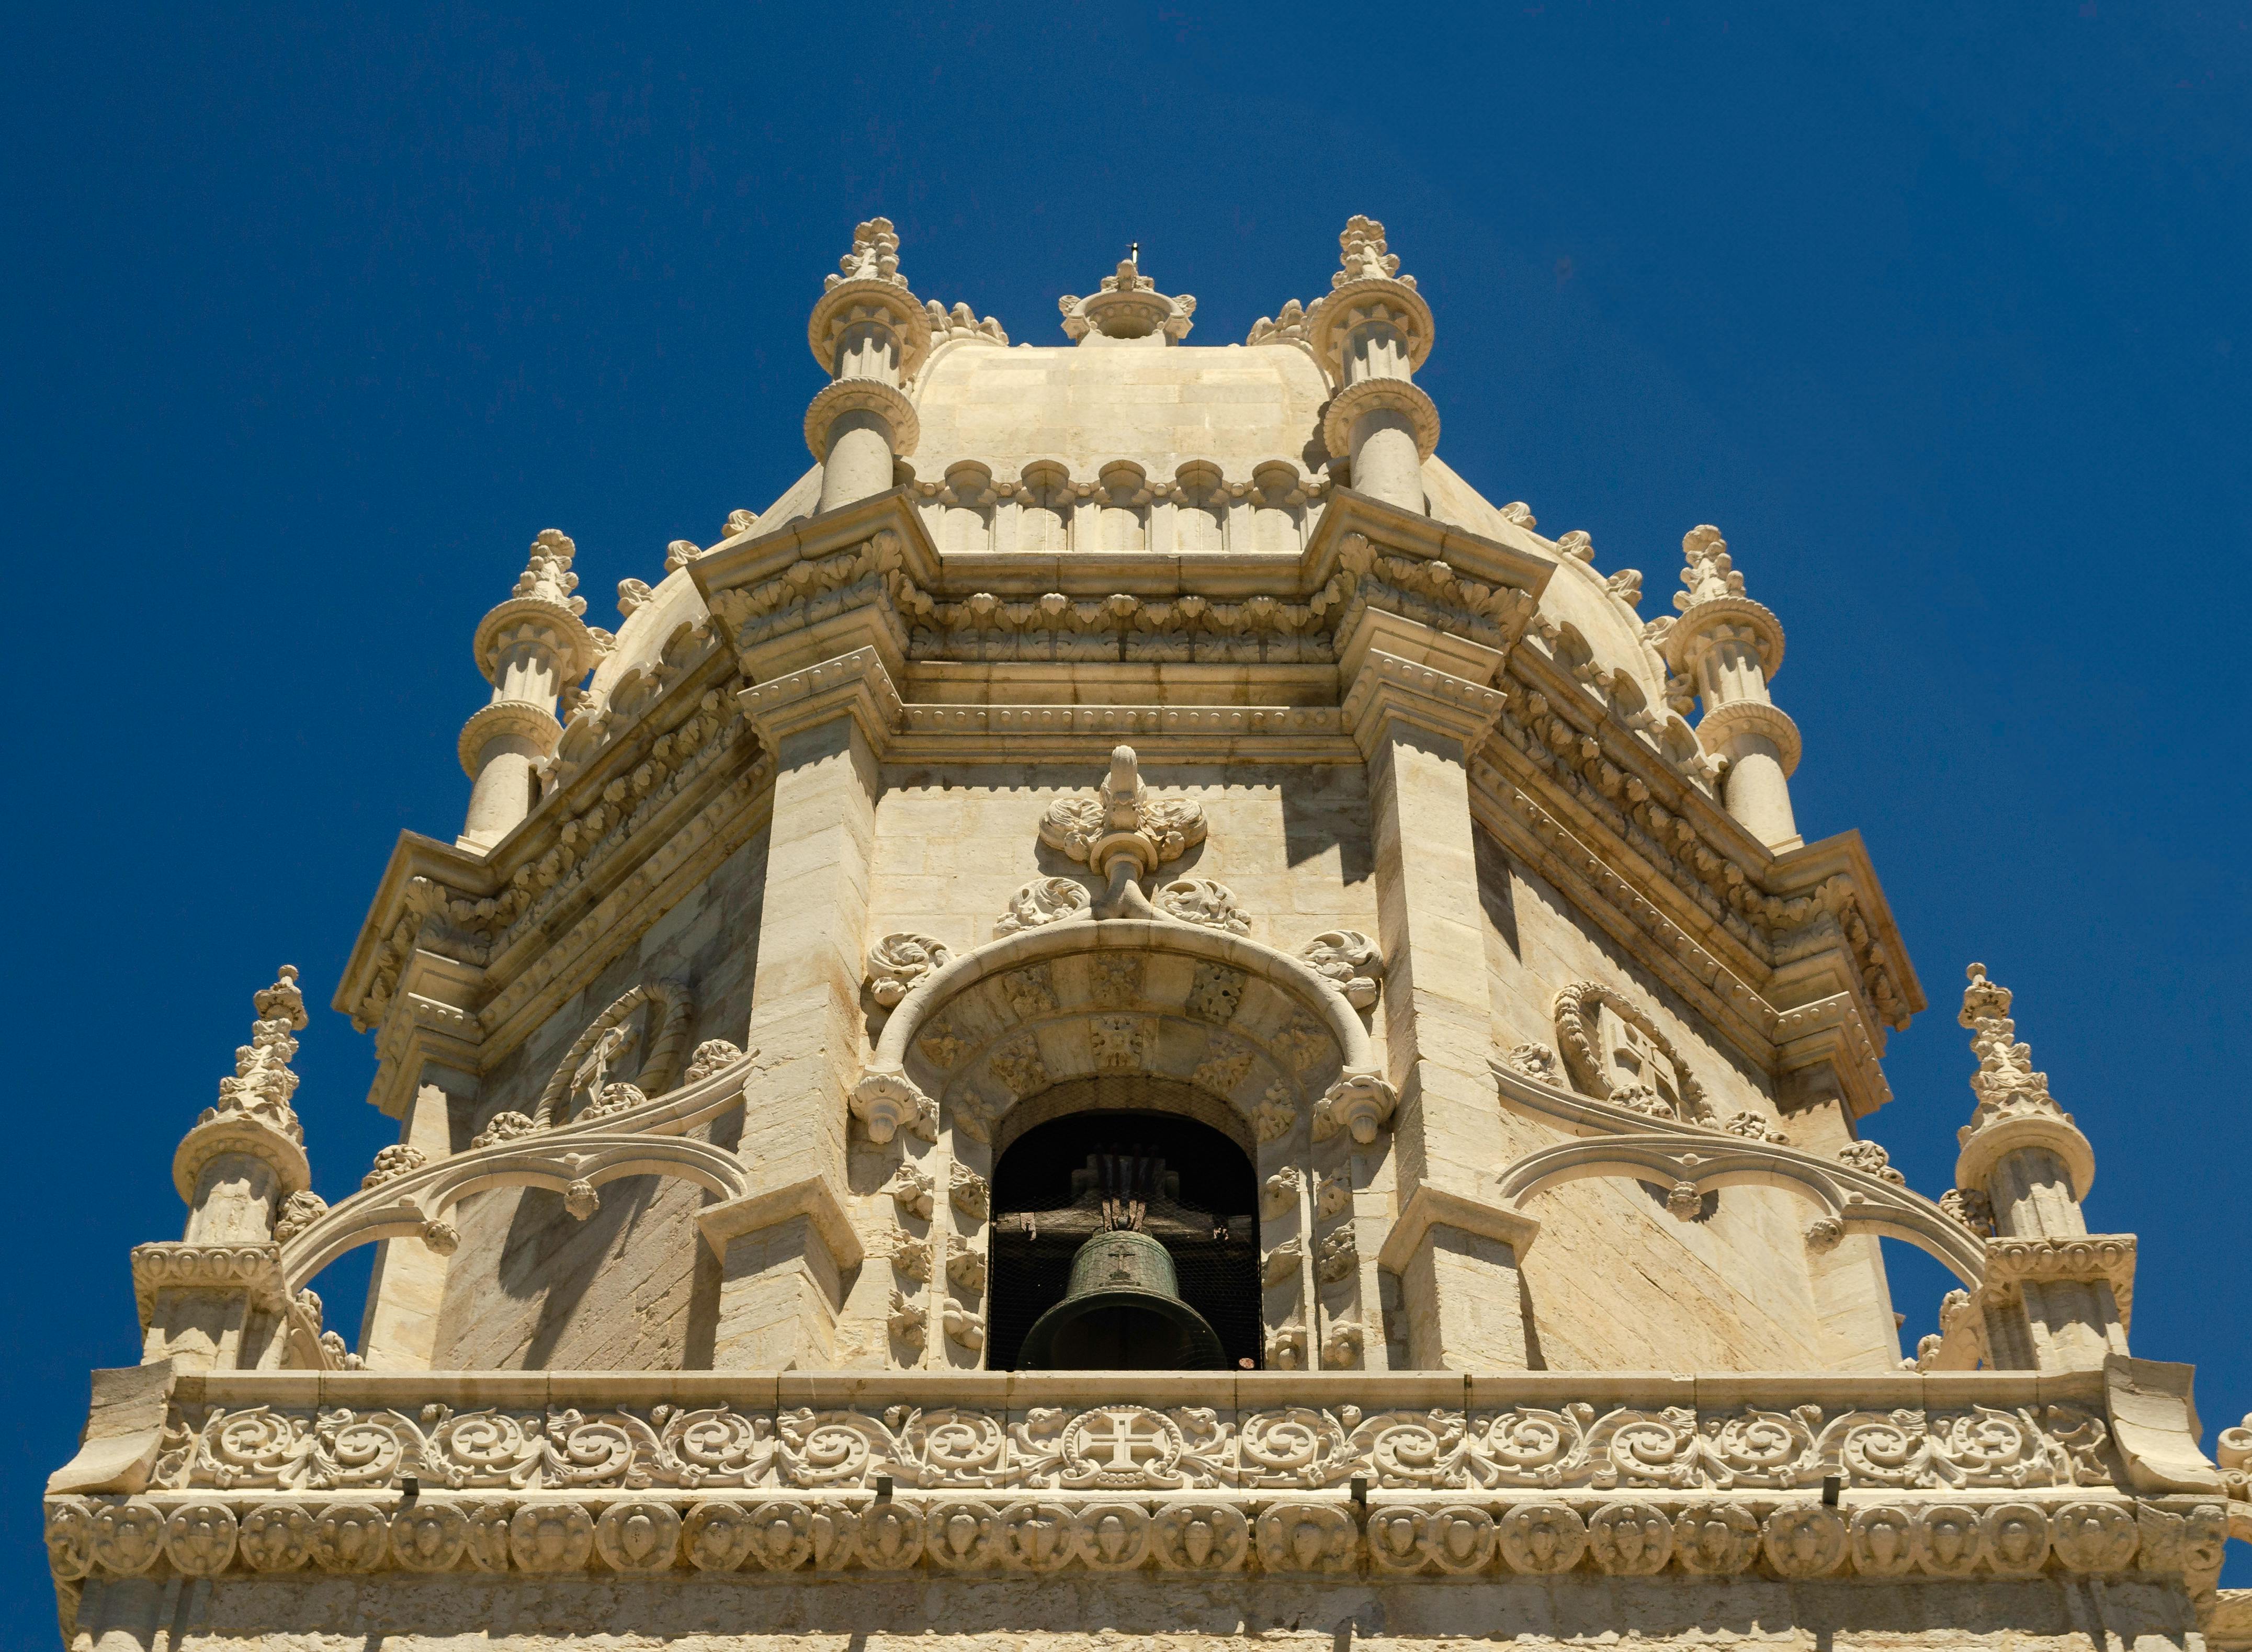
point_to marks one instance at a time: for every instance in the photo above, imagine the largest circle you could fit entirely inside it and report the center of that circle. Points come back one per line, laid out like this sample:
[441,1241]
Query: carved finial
[1128,305]
[547,575]
[1363,259]
[263,1082]
[874,257]
[1709,572]
[2005,1082]
[1124,831]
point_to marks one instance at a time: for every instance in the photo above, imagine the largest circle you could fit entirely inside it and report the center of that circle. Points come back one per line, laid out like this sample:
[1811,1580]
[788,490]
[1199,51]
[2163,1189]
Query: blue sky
[315,316]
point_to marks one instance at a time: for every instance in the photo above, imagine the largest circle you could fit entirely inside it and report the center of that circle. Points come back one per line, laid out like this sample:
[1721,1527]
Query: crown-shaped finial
[1709,572]
[1128,305]
[1362,257]
[263,1083]
[2005,1082]
[548,573]
[874,257]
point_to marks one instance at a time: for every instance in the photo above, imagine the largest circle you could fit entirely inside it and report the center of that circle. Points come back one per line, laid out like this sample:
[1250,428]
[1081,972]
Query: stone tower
[1131,805]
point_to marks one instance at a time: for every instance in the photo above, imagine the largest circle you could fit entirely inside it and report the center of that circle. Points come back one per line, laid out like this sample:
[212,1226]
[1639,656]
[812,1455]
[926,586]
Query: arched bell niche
[1173,1161]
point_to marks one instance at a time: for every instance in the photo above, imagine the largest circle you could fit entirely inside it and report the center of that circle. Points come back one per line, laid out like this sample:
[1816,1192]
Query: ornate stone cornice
[2084,1258]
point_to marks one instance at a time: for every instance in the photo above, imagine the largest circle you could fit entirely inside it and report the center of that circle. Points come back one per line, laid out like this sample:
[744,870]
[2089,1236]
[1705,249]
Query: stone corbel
[812,1198]
[1389,690]
[1429,1207]
[854,685]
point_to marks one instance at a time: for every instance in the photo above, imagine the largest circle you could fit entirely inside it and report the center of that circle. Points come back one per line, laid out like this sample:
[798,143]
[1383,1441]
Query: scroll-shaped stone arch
[651,1139]
[1857,1203]
[405,1207]
[1083,998]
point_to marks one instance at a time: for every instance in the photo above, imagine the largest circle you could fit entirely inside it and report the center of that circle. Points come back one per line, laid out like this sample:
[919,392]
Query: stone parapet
[1397,1475]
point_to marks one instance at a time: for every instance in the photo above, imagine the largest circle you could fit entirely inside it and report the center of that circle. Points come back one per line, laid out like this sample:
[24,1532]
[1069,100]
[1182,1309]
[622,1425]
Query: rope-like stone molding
[671,1003]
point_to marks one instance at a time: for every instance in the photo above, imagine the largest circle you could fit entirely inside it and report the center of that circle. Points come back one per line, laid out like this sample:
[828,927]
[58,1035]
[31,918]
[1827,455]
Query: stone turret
[1729,648]
[2056,1294]
[870,334]
[1371,332]
[210,1299]
[529,648]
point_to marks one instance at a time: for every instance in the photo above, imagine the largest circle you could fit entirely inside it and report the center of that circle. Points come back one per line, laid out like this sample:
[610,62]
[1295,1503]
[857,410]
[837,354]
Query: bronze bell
[1124,1312]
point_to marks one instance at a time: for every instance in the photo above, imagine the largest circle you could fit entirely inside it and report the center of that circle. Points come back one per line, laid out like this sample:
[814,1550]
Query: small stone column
[1455,1249]
[1370,333]
[211,1301]
[870,334]
[786,1248]
[530,649]
[1729,647]
[2052,1298]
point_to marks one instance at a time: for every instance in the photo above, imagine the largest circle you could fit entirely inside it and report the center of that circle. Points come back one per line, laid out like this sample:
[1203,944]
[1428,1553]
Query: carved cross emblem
[1122,1445]
[1637,1063]
[595,1071]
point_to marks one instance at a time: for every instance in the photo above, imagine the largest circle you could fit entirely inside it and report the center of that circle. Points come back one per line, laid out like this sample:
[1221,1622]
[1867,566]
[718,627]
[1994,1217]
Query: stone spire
[200,1297]
[529,649]
[2055,1294]
[1729,647]
[1370,332]
[248,1151]
[2016,1116]
[1128,308]
[870,334]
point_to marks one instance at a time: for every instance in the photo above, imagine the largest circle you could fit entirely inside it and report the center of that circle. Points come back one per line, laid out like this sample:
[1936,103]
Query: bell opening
[1175,1285]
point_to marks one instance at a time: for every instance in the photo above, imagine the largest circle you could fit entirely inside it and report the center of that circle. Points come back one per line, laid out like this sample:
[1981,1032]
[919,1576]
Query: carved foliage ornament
[898,963]
[1123,817]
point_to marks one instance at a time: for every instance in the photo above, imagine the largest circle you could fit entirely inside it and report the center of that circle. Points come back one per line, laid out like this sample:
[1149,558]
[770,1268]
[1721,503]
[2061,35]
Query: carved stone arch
[1084,999]
[1160,1095]
[670,1001]
[407,1207]
[1575,1010]
[1695,1165]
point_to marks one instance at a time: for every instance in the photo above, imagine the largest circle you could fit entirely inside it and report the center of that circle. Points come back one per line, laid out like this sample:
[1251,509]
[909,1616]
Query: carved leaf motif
[1043,900]
[1200,900]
